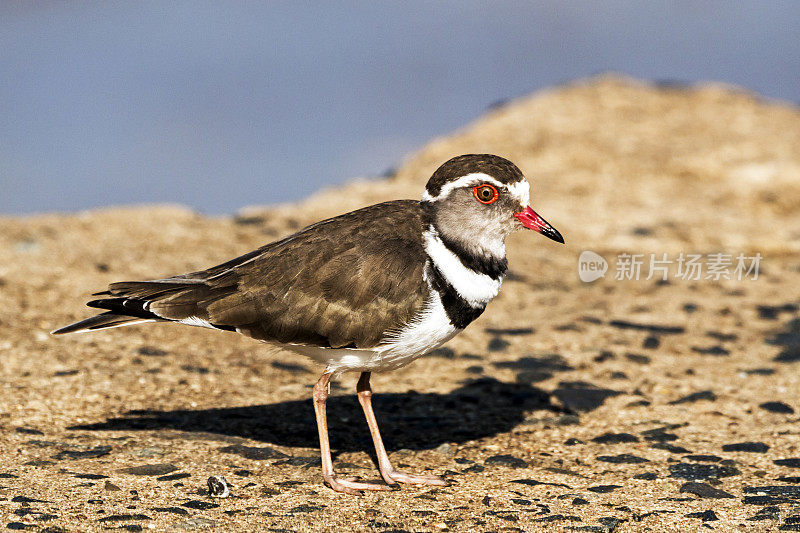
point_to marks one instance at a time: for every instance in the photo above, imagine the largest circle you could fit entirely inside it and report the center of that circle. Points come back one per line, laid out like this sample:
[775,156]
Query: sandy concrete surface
[617,405]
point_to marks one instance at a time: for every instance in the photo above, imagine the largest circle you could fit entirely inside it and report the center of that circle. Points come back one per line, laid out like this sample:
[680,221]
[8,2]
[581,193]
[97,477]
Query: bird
[366,291]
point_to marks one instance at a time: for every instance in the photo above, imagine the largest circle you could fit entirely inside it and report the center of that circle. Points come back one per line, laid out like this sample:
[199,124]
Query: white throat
[476,288]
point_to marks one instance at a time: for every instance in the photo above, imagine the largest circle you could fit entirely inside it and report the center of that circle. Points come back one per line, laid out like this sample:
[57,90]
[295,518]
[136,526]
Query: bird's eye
[485,194]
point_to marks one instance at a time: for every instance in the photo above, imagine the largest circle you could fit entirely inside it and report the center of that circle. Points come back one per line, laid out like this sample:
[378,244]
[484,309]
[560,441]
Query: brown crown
[495,166]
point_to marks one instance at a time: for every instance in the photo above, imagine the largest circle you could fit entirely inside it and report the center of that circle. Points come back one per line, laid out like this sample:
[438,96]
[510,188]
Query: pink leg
[336,483]
[389,474]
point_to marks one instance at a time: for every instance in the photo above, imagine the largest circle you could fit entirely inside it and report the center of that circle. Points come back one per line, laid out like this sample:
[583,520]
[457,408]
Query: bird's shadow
[417,421]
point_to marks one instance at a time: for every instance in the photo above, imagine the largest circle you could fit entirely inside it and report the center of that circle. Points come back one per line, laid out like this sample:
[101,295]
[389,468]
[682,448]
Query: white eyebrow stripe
[522,190]
[475,177]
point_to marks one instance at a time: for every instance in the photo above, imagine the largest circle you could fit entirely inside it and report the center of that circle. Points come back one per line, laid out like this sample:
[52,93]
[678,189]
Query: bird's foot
[350,486]
[414,479]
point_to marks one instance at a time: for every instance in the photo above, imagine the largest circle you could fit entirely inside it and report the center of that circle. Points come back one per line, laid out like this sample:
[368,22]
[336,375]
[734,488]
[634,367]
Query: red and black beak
[531,220]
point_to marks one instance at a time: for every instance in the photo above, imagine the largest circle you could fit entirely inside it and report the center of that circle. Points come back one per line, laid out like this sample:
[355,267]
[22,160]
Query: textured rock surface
[122,428]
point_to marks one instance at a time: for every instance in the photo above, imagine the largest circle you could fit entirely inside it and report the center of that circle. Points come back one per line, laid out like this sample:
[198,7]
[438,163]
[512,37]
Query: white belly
[426,332]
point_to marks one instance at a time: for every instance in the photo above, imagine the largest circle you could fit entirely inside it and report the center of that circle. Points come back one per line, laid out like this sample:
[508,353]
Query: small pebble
[533,483]
[623,458]
[557,518]
[771,512]
[703,458]
[198,504]
[305,461]
[760,371]
[669,447]
[766,500]
[651,342]
[19,526]
[289,367]
[711,350]
[97,451]
[506,460]
[700,472]
[509,331]
[723,337]
[198,523]
[695,397]
[652,328]
[89,476]
[174,477]
[704,490]
[173,510]
[638,358]
[787,491]
[603,356]
[445,353]
[151,351]
[124,517]
[615,438]
[604,489]
[305,508]
[253,452]
[752,447]
[445,448]
[777,407]
[790,355]
[498,344]
[153,451]
[25,499]
[150,469]
[218,487]
[706,516]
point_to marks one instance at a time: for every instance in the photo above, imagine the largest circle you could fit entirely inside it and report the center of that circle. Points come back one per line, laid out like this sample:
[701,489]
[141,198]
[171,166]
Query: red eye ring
[480,193]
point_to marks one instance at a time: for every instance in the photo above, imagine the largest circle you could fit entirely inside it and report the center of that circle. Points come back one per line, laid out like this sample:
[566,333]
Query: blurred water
[223,104]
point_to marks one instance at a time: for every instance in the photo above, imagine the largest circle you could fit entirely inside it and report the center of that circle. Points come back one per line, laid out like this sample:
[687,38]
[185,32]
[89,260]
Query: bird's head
[478,199]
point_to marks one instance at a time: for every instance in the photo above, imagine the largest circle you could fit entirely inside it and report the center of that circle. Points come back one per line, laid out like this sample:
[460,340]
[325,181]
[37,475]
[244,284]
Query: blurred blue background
[218,105]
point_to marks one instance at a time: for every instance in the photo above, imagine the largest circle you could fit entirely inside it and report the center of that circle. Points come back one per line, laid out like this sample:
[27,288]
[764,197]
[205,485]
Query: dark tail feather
[124,306]
[126,303]
[101,321]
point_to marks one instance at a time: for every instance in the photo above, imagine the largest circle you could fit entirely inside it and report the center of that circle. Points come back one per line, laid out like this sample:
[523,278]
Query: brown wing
[341,282]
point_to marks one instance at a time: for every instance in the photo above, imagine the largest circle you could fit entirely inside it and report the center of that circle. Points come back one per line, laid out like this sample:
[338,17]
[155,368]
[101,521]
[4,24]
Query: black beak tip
[552,233]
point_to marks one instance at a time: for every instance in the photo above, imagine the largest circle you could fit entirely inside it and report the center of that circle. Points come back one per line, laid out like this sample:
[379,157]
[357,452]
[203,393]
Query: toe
[340,487]
[353,487]
[414,479]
